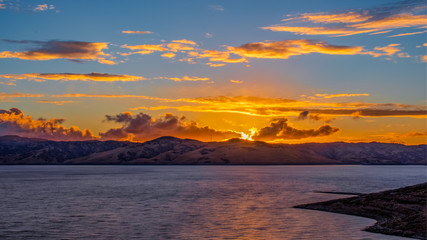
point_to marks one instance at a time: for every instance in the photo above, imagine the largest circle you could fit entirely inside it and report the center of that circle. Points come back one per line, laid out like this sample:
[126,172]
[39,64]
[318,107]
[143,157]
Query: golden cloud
[184,41]
[176,46]
[396,21]
[59,103]
[385,51]
[185,78]
[407,34]
[236,81]
[349,17]
[341,95]
[11,96]
[148,47]
[136,32]
[14,122]
[285,49]
[338,31]
[96,77]
[379,20]
[168,55]
[71,50]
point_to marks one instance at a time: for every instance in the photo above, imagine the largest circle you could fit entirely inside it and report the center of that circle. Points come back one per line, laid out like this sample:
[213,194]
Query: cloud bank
[14,122]
[142,127]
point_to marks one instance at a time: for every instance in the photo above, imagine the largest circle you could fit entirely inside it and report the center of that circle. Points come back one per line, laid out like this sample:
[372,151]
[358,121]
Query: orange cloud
[236,81]
[11,83]
[71,50]
[177,46]
[285,49]
[379,20]
[385,51]
[185,78]
[342,95]
[44,7]
[59,103]
[215,64]
[349,17]
[168,55]
[184,41]
[136,32]
[273,107]
[395,21]
[96,77]
[276,107]
[14,122]
[407,34]
[11,96]
[381,32]
[148,47]
[424,58]
[219,56]
[338,31]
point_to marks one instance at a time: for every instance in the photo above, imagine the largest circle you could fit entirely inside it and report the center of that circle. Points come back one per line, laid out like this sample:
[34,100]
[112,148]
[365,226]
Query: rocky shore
[400,212]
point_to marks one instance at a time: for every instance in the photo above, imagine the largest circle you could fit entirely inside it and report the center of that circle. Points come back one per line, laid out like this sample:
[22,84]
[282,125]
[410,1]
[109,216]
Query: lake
[188,202]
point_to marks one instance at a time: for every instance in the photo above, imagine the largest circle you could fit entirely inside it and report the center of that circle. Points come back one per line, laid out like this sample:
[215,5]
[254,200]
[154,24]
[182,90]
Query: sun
[248,137]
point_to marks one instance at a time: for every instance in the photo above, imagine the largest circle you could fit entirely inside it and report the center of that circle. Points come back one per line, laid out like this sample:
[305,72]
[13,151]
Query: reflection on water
[187,202]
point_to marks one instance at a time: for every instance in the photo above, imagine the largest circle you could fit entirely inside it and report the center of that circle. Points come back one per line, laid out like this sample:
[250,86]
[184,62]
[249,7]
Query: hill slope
[170,150]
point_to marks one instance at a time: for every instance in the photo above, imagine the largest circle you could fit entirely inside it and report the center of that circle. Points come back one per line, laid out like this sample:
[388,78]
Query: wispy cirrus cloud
[185,78]
[136,32]
[96,77]
[11,96]
[93,77]
[43,7]
[325,95]
[273,107]
[188,51]
[59,103]
[407,34]
[217,8]
[285,49]
[403,14]
[71,50]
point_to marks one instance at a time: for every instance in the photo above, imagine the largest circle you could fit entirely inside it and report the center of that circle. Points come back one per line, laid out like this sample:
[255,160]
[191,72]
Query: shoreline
[399,212]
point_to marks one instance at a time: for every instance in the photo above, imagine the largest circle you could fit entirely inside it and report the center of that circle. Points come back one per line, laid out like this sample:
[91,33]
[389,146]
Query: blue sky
[306,51]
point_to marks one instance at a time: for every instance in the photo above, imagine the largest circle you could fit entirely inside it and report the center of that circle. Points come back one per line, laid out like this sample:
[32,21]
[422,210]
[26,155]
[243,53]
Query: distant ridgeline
[170,150]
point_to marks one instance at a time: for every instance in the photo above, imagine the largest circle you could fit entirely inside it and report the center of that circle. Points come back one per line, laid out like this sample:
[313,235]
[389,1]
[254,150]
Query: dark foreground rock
[400,212]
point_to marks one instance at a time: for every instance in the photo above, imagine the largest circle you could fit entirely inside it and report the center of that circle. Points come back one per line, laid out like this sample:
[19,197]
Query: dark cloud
[315,117]
[72,50]
[14,122]
[141,127]
[286,48]
[303,115]
[280,129]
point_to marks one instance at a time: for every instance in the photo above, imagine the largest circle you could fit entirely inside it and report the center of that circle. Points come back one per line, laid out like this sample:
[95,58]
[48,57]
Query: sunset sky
[278,71]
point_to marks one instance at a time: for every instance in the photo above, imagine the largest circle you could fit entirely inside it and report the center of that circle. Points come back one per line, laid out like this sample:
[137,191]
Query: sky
[276,71]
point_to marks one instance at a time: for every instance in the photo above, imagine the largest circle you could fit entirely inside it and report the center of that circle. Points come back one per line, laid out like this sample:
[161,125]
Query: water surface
[187,202]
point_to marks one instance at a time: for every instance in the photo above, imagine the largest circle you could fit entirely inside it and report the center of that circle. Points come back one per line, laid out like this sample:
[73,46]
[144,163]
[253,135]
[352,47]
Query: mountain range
[171,150]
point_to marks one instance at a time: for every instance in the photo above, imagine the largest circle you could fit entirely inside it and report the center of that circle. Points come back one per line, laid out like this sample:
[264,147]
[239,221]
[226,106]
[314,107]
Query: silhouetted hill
[171,150]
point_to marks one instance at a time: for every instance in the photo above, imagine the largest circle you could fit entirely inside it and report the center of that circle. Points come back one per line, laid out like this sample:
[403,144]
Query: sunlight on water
[187,202]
